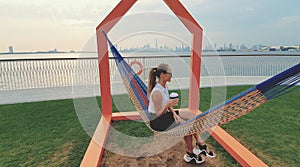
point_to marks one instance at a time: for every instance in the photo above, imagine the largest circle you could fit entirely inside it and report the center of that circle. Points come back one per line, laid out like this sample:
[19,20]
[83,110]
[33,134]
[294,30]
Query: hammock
[229,110]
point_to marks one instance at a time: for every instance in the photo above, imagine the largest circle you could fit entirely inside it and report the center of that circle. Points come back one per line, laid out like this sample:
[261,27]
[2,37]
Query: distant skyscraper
[10,49]
[230,46]
[156,43]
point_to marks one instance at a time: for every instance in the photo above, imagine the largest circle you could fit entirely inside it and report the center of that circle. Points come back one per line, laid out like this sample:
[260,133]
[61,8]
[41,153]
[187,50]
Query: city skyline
[70,25]
[181,48]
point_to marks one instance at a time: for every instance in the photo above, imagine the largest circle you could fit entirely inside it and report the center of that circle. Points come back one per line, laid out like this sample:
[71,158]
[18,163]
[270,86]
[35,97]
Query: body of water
[26,72]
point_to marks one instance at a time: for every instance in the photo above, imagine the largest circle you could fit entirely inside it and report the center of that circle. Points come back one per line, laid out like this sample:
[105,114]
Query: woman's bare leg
[189,143]
[186,114]
[198,140]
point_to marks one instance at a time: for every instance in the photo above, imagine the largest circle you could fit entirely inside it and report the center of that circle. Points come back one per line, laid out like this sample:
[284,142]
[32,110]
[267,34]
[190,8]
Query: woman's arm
[157,100]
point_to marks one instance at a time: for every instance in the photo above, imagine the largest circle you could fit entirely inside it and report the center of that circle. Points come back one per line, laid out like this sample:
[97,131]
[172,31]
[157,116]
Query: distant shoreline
[42,52]
[204,51]
[93,55]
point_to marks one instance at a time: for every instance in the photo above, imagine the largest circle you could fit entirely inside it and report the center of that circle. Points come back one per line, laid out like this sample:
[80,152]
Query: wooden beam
[125,116]
[239,152]
[95,150]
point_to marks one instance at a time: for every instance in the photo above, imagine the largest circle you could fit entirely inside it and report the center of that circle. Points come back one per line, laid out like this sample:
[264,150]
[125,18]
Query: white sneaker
[188,157]
[197,151]
[202,150]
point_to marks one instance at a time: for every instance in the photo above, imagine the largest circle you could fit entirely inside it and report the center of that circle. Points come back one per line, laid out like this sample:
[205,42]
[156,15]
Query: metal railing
[59,72]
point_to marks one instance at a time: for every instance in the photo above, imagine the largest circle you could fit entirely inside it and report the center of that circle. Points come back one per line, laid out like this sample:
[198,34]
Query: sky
[42,25]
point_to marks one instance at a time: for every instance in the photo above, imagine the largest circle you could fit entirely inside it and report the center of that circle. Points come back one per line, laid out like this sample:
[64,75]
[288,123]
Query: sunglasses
[169,73]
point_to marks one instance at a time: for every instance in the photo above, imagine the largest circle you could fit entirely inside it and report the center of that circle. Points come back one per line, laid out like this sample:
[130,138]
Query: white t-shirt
[165,97]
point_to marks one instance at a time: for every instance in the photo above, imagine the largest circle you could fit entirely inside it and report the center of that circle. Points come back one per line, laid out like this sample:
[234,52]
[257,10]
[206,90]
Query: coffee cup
[173,95]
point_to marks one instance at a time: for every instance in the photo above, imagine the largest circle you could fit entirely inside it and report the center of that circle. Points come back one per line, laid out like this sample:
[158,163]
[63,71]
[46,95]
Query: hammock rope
[229,110]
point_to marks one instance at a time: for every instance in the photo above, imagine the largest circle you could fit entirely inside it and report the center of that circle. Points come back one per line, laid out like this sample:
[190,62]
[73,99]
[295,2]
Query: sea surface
[26,71]
[36,72]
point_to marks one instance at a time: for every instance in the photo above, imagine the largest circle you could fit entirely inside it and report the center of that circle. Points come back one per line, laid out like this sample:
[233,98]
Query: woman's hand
[176,118]
[172,102]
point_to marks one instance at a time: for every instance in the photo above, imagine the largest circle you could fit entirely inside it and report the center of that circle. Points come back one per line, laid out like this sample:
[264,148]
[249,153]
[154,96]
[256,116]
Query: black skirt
[163,122]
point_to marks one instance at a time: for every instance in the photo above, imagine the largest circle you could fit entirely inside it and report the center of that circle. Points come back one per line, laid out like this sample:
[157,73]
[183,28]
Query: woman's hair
[155,72]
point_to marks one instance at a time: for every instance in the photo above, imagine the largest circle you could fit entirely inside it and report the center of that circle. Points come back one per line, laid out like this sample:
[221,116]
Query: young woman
[164,117]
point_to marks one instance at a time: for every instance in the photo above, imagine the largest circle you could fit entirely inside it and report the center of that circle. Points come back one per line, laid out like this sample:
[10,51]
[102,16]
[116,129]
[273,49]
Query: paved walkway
[56,93]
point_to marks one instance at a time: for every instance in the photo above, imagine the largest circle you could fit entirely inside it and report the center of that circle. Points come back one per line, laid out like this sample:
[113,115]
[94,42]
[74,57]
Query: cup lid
[174,94]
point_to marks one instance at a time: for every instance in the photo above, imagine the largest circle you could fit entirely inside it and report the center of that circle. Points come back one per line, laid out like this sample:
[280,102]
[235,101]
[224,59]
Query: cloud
[250,9]
[82,24]
[144,24]
[56,11]
[289,21]
[226,21]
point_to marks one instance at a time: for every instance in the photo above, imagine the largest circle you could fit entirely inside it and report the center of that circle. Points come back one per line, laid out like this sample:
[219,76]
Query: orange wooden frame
[95,149]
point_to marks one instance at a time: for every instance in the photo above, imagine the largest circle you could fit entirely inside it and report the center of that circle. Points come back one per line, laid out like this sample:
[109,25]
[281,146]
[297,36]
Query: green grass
[272,130]
[50,134]
[41,134]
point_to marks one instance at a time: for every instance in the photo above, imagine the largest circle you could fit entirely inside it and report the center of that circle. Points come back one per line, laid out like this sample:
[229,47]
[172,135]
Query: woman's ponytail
[152,80]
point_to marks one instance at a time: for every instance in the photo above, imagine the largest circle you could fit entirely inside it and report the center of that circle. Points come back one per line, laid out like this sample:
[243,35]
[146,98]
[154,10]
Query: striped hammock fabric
[229,110]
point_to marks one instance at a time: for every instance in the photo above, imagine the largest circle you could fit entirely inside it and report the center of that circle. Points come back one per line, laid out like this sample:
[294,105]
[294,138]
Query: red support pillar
[106,25]
[195,65]
[103,65]
[95,150]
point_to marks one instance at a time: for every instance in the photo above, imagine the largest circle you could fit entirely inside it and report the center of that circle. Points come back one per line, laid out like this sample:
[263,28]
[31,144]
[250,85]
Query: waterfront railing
[60,72]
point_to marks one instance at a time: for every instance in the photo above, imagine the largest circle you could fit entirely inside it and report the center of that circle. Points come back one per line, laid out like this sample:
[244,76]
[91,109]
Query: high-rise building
[10,49]
[230,46]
